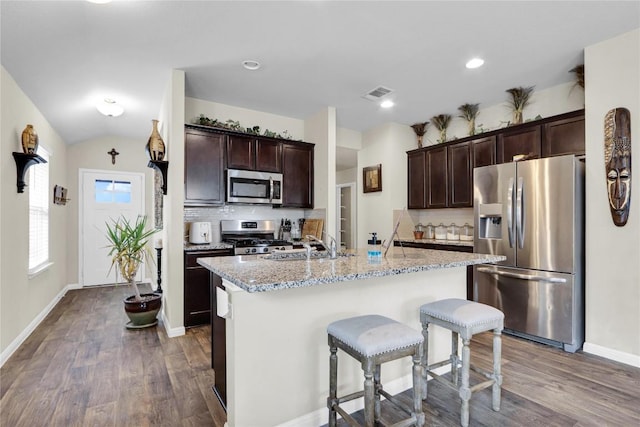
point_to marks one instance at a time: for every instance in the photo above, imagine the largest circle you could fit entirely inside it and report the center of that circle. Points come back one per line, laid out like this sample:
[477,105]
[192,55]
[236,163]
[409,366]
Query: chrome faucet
[307,246]
[332,249]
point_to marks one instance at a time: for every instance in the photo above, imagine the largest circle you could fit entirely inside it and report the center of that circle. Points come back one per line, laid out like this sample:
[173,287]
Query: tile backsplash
[248,212]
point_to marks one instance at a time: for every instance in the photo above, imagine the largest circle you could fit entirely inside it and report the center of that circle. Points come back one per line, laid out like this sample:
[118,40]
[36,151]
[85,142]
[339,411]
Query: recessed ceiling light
[387,103]
[110,108]
[99,1]
[250,64]
[474,63]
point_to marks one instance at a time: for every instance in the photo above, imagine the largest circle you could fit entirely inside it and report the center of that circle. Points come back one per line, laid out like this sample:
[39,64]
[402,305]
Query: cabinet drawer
[191,258]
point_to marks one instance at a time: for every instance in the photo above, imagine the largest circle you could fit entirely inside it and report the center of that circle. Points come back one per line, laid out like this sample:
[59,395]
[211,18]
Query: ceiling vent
[378,93]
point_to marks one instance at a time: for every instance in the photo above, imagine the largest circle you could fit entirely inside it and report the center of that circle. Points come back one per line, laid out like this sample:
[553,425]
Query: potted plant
[441,122]
[519,99]
[127,243]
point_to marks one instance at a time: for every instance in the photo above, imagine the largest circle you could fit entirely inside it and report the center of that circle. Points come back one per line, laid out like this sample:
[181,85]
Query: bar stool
[463,318]
[373,340]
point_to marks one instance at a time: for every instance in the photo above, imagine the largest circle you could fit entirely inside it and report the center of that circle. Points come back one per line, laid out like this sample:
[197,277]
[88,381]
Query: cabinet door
[268,155]
[484,151]
[297,171]
[563,137]
[437,182]
[240,152]
[416,185]
[197,308]
[523,141]
[204,168]
[460,176]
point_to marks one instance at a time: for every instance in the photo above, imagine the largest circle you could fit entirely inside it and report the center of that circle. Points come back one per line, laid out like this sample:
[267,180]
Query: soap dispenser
[374,252]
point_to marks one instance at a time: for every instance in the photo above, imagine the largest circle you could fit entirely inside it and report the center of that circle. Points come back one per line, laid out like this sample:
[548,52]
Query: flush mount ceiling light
[474,63]
[99,1]
[387,103]
[251,64]
[109,107]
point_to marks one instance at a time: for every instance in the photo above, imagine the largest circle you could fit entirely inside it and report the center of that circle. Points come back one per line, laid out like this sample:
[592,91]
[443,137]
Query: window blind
[38,185]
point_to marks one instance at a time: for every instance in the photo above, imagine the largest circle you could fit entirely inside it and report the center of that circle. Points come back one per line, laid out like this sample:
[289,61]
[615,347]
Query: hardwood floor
[81,367]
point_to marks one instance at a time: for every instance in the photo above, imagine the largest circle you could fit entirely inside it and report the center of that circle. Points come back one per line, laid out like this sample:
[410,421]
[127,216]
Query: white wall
[612,253]
[172,113]
[92,154]
[346,176]
[386,144]
[23,300]
[320,129]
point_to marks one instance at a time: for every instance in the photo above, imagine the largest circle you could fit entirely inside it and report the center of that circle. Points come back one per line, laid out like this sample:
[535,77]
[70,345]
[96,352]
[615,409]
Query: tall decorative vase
[29,140]
[517,117]
[155,147]
[420,138]
[472,127]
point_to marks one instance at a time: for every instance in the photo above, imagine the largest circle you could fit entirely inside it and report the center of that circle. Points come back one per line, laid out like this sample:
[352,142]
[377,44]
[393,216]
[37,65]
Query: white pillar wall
[612,253]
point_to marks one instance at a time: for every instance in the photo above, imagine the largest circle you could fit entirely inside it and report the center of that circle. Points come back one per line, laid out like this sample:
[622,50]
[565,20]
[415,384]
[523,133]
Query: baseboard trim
[320,416]
[171,332]
[17,342]
[609,353]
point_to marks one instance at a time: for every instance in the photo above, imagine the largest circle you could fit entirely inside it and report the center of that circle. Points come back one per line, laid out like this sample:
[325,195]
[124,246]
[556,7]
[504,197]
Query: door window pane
[107,191]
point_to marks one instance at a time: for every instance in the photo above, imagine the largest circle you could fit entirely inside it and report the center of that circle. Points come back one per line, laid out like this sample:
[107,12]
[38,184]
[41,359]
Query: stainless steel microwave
[254,187]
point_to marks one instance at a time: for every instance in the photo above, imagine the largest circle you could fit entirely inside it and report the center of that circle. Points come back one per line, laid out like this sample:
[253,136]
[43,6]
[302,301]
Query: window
[107,191]
[38,183]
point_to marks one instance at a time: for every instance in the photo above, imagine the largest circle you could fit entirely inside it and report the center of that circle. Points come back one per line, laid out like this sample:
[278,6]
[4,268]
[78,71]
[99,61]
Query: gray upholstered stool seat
[464,319]
[373,340]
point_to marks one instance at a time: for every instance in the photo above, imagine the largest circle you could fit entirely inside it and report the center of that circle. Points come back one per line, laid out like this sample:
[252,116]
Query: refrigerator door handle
[522,276]
[510,224]
[520,212]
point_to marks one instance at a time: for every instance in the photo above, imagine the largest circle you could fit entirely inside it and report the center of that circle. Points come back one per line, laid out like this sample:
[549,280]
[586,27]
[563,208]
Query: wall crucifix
[113,153]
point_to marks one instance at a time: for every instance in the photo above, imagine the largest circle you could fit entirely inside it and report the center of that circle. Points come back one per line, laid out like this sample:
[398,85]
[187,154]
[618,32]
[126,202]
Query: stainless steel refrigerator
[533,213]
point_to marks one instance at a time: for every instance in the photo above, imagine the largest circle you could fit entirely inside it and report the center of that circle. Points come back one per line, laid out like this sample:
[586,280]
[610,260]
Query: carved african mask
[617,158]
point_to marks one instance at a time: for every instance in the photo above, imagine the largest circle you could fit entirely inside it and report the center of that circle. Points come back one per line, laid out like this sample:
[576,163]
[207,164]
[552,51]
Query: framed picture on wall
[372,178]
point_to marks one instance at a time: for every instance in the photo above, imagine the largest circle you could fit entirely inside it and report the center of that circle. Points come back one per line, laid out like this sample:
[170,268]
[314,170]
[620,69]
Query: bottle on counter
[453,232]
[441,232]
[374,251]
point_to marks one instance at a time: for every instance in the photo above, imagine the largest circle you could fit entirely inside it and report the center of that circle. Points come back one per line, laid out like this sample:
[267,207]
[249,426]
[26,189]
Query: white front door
[105,197]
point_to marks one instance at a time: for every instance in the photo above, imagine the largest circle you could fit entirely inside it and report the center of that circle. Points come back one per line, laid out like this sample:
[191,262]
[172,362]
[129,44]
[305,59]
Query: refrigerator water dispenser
[490,221]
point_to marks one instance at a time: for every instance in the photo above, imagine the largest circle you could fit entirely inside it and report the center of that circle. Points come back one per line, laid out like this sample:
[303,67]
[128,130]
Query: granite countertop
[439,242]
[255,274]
[206,246]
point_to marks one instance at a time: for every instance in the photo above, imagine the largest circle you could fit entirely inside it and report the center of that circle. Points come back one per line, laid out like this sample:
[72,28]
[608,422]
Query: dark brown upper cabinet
[523,140]
[484,151]
[204,167]
[297,175]
[253,153]
[563,137]
[460,175]
[416,188]
[437,179]
[441,176]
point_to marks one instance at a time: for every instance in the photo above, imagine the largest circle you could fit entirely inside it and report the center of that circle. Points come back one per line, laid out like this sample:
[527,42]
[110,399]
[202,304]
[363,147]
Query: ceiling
[67,55]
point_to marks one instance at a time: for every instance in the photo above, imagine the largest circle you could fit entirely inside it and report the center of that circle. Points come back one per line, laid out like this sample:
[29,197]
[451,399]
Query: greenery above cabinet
[441,175]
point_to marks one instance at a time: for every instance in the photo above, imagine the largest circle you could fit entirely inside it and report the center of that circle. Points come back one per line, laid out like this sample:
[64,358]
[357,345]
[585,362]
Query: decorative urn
[155,147]
[29,140]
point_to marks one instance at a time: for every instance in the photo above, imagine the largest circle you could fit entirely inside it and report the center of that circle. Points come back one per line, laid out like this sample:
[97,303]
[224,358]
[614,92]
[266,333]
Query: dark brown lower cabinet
[197,307]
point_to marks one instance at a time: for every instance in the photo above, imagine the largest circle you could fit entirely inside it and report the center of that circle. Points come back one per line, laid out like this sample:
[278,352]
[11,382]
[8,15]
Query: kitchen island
[277,358]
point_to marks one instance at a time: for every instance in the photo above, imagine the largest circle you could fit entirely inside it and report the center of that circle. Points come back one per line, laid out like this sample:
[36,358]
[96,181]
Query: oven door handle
[522,276]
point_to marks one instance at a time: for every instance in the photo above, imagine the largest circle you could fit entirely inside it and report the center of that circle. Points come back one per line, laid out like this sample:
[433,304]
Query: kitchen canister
[466,232]
[441,232]
[430,231]
[453,232]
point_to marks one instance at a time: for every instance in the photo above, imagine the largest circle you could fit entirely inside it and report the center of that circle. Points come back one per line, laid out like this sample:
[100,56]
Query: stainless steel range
[252,237]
